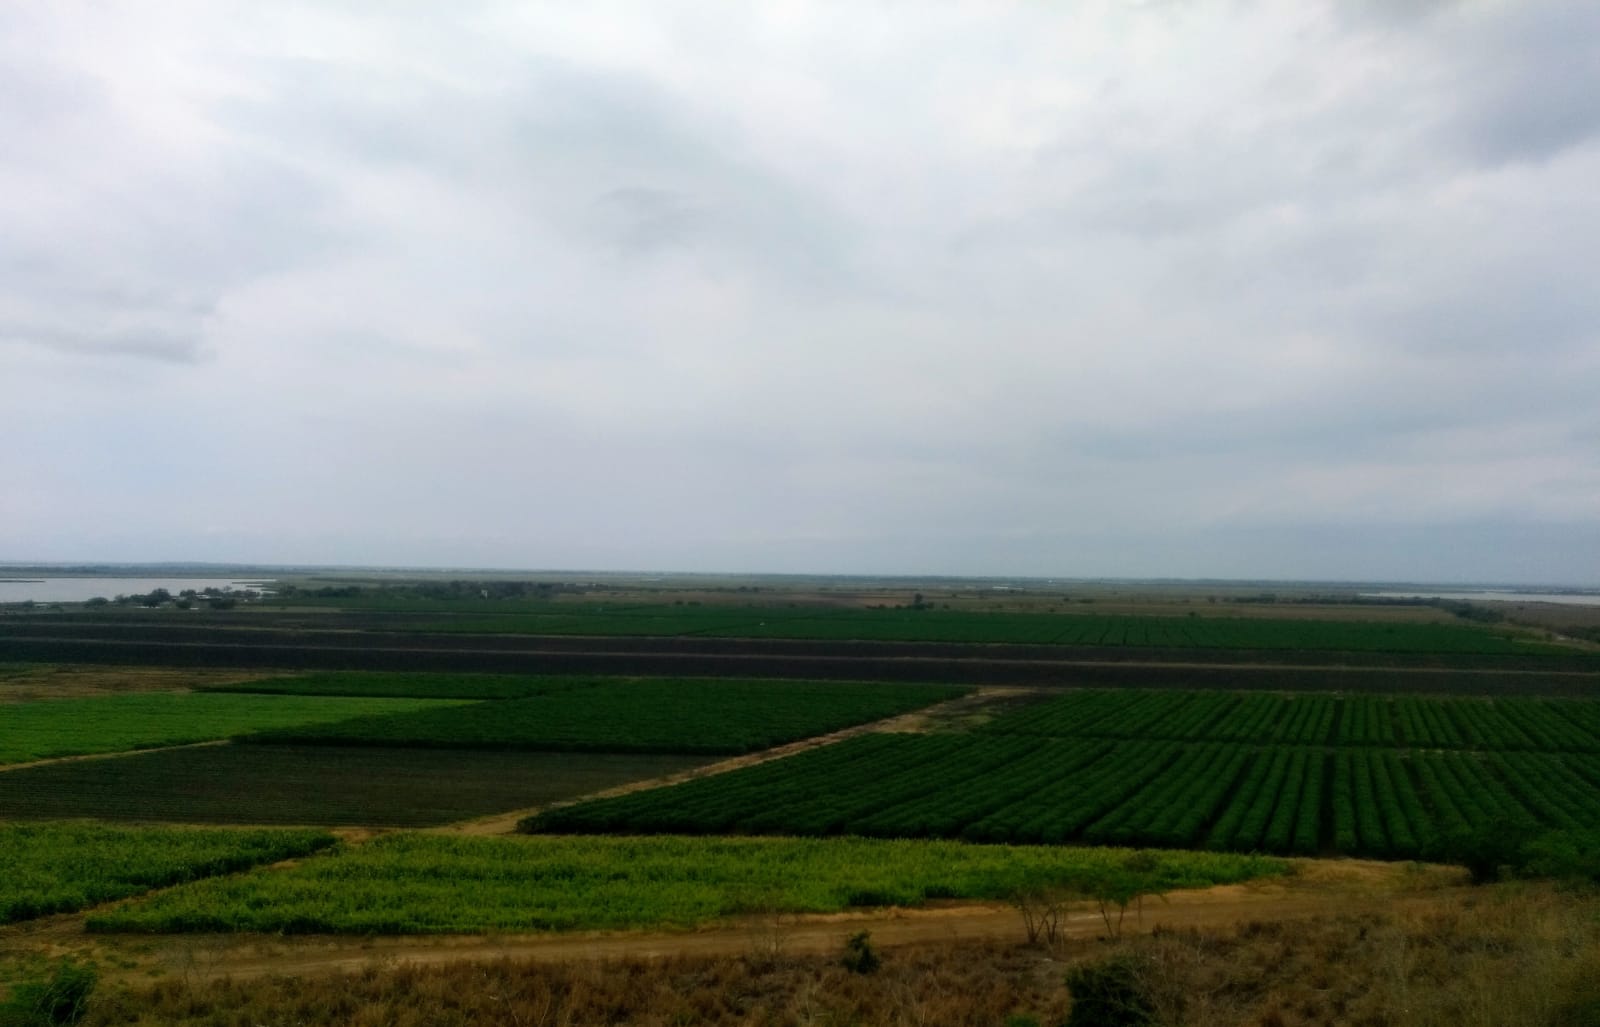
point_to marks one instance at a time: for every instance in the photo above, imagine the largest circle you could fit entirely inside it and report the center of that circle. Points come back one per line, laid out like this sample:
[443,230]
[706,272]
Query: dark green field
[321,785]
[413,686]
[1397,779]
[1501,724]
[653,715]
[114,723]
[932,625]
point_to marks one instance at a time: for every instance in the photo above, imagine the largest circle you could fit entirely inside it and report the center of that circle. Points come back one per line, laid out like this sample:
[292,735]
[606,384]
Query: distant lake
[77,590]
[1565,598]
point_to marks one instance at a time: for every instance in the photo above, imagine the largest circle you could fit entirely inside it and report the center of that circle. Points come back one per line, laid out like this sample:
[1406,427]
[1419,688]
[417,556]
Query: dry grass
[28,682]
[1508,956]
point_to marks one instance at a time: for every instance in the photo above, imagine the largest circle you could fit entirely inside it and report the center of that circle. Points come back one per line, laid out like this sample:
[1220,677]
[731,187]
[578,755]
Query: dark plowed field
[142,643]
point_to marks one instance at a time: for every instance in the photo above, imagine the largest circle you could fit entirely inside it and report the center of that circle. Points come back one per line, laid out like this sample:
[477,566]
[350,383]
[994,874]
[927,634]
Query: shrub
[859,955]
[58,1001]
[1490,850]
[1113,993]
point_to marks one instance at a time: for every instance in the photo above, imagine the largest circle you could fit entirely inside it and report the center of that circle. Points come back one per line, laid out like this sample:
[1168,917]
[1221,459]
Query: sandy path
[1331,887]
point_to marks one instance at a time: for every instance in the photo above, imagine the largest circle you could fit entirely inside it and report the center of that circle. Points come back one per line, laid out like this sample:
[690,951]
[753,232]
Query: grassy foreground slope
[57,868]
[419,884]
[70,727]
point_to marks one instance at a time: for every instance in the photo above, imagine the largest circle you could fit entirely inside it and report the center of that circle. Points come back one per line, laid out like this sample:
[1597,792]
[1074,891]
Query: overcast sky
[1136,289]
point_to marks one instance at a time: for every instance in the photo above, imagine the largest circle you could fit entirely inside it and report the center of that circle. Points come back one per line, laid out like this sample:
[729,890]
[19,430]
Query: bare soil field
[27,682]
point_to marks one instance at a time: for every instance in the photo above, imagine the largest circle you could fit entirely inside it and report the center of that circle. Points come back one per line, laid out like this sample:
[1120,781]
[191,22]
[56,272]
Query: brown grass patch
[1507,956]
[28,682]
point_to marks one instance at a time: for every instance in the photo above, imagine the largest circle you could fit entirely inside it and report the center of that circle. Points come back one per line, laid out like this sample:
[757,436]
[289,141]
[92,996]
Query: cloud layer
[1181,289]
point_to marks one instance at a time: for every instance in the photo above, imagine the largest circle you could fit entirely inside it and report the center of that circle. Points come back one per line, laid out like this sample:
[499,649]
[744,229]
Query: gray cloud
[1143,289]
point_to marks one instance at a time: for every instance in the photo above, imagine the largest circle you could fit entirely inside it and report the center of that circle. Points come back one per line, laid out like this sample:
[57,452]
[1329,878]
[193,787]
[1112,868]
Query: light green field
[57,868]
[420,884]
[71,727]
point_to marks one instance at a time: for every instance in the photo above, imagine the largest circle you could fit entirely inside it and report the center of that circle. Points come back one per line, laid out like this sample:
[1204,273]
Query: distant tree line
[448,590]
[187,599]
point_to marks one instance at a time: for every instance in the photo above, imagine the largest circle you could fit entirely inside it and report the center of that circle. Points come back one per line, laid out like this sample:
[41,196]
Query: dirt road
[1319,888]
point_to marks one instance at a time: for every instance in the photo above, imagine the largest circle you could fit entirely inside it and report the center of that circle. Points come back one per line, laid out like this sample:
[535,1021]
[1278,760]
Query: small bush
[58,1001]
[1489,852]
[1112,993]
[860,957]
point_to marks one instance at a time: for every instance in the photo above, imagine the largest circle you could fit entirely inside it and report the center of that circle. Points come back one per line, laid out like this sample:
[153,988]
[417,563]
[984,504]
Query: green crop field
[652,715]
[413,884]
[1233,782]
[930,625]
[1542,725]
[323,785]
[57,868]
[69,727]
[412,685]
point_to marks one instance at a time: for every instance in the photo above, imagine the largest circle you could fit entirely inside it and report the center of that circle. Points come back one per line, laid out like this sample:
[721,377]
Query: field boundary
[506,823]
[1064,672]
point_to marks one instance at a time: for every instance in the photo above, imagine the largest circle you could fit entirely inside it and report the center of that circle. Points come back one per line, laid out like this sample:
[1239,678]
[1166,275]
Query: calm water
[1565,598]
[76,590]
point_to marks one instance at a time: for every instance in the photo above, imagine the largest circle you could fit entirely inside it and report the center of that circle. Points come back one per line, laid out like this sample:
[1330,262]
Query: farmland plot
[653,715]
[1164,769]
[1074,629]
[416,884]
[323,785]
[415,686]
[1505,724]
[57,868]
[68,727]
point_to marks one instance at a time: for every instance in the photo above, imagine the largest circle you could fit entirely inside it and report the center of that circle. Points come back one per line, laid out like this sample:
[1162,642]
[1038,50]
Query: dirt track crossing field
[1319,888]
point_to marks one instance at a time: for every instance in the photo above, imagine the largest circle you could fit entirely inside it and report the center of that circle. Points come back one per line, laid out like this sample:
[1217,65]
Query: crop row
[1022,789]
[1505,724]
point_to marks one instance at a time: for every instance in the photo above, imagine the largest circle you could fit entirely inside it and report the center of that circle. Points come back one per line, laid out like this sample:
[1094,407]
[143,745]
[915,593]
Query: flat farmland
[658,715]
[415,884]
[1393,656]
[57,868]
[1499,724]
[414,686]
[115,723]
[1063,629]
[315,785]
[1363,783]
